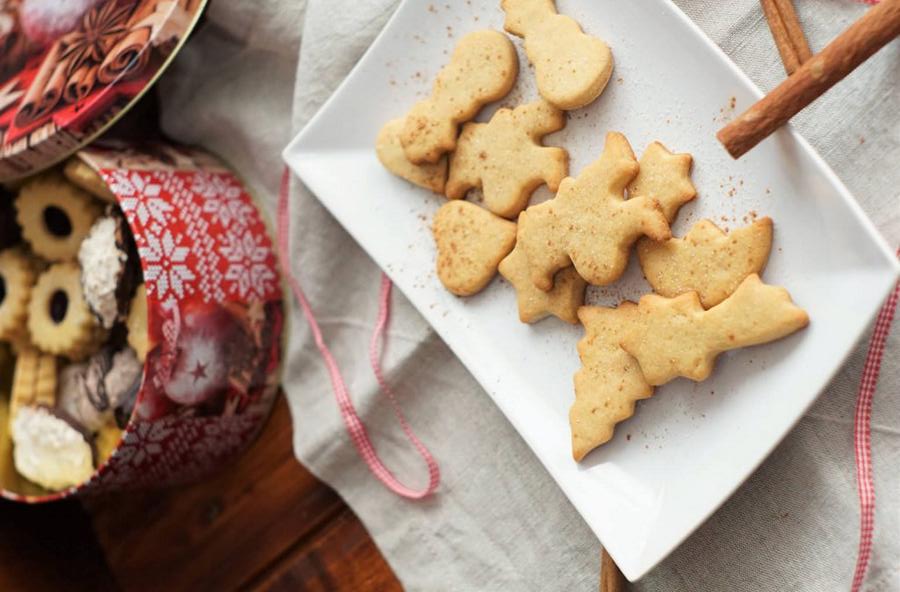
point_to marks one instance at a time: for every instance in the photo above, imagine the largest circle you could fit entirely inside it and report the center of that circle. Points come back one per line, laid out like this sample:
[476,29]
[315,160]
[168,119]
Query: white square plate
[690,446]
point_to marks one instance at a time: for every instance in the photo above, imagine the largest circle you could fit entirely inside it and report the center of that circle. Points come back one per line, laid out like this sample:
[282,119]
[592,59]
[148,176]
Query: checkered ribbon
[865,481]
[355,426]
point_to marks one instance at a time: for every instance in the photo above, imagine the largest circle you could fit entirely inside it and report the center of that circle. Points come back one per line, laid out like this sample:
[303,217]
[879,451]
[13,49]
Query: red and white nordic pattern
[203,245]
[174,450]
[215,319]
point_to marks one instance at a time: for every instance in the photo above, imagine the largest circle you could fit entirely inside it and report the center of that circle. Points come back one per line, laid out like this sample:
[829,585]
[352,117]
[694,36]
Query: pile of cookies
[708,295]
[72,323]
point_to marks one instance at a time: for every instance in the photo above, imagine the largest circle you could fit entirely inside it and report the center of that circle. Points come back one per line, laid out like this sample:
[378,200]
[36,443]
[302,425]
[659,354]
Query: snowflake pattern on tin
[174,450]
[140,197]
[249,270]
[143,442]
[222,200]
[166,268]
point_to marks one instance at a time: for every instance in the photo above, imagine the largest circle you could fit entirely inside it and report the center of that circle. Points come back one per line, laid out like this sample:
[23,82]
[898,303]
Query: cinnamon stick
[611,579]
[142,11]
[795,31]
[787,32]
[781,35]
[27,112]
[80,84]
[192,6]
[54,90]
[127,58]
[863,38]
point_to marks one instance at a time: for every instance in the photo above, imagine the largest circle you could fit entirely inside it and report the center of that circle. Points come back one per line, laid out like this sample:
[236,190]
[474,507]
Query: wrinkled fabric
[251,78]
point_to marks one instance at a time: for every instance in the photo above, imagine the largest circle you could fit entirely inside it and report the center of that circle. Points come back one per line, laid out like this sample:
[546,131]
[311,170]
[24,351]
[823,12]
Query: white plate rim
[634,571]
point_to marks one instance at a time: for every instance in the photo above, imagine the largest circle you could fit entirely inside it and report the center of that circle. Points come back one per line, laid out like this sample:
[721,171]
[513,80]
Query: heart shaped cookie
[471,242]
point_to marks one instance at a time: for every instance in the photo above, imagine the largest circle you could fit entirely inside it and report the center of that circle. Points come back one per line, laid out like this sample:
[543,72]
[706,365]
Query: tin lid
[70,68]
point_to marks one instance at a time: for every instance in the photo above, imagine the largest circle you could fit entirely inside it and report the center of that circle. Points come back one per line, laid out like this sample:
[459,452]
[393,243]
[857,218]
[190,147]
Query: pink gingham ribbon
[355,426]
[863,435]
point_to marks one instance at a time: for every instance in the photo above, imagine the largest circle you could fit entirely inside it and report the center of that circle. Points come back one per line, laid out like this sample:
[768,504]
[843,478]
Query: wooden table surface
[264,524]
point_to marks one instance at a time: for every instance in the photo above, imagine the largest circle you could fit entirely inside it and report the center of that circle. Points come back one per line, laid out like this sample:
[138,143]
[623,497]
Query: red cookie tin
[215,319]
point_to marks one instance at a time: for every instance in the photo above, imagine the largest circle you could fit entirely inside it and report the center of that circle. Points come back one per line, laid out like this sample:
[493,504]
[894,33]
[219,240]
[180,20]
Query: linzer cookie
[59,320]
[482,68]
[55,216]
[17,279]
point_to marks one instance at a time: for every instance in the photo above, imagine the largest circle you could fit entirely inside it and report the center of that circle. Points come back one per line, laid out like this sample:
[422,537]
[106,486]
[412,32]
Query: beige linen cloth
[250,79]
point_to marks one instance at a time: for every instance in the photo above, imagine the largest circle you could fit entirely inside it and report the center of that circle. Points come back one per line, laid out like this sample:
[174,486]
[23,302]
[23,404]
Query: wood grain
[343,557]
[223,534]
[863,38]
[611,578]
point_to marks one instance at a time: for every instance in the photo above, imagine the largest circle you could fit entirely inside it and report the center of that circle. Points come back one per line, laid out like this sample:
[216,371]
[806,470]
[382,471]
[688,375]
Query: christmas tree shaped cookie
[609,381]
[506,159]
[590,223]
